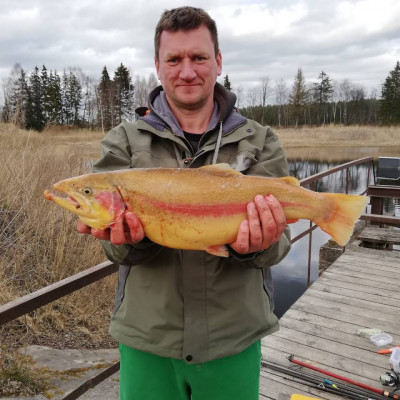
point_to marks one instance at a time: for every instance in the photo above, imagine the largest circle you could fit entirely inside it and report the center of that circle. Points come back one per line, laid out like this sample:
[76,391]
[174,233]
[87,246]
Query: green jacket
[189,304]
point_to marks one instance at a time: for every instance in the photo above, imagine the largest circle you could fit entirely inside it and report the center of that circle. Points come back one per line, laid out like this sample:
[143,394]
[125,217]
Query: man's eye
[199,58]
[172,60]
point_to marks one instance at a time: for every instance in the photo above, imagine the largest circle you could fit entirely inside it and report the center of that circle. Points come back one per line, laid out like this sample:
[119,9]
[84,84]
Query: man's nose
[187,71]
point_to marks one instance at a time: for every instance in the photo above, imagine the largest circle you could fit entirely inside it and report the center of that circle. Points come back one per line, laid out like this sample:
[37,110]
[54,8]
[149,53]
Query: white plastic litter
[395,359]
[381,339]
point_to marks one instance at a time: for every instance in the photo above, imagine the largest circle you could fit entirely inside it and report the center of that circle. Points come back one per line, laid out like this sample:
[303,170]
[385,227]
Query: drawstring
[214,160]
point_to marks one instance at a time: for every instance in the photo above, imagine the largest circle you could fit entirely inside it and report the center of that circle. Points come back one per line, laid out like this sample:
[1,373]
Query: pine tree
[390,103]
[66,108]
[74,97]
[105,100]
[298,96]
[123,91]
[322,93]
[19,98]
[227,83]
[45,88]
[53,101]
[34,109]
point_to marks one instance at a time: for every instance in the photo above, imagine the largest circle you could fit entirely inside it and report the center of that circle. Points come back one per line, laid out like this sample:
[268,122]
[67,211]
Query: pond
[290,276]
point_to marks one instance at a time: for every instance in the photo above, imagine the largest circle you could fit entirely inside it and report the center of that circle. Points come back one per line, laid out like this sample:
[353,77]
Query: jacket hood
[224,112]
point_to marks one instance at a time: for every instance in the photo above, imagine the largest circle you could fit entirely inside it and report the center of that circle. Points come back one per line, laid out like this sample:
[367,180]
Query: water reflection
[290,276]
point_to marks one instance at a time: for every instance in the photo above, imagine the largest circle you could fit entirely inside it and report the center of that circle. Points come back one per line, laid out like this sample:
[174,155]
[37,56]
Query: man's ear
[219,63]
[156,63]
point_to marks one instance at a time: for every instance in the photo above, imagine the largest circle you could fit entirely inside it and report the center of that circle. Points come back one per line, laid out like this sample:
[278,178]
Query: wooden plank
[383,191]
[378,261]
[346,272]
[357,318]
[374,299]
[334,346]
[365,286]
[355,247]
[328,332]
[371,271]
[383,219]
[338,327]
[389,309]
[379,235]
[381,267]
[332,308]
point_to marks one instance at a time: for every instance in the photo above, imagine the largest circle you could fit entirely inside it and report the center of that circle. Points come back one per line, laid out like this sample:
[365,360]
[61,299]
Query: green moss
[19,377]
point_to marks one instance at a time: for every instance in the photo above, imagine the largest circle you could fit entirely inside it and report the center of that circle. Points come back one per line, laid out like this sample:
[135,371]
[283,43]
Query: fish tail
[341,214]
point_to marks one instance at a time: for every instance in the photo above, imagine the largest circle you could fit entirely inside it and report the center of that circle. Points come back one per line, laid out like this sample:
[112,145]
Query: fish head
[95,199]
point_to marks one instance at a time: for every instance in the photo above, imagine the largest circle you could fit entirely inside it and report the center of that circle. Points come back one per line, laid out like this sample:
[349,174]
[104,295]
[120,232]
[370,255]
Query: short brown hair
[185,18]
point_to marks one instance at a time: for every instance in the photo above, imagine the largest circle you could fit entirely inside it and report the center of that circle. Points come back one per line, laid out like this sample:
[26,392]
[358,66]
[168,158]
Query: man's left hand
[264,225]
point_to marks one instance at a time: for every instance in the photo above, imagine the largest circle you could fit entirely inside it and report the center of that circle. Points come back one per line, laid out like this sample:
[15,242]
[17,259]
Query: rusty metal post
[309,256]
[312,187]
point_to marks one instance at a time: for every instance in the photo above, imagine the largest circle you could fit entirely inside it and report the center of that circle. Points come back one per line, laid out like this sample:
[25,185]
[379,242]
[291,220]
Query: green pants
[145,376]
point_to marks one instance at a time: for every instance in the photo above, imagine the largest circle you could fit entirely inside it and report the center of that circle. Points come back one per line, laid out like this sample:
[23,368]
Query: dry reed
[340,135]
[39,243]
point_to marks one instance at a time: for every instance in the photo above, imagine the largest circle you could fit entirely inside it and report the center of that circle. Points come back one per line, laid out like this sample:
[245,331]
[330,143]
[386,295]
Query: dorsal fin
[290,180]
[223,169]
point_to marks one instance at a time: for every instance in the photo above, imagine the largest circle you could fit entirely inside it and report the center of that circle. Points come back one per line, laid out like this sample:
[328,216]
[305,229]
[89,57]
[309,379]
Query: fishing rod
[335,387]
[384,393]
[328,387]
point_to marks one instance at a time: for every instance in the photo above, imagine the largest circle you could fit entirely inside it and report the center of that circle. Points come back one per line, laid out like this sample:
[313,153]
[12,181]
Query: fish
[199,208]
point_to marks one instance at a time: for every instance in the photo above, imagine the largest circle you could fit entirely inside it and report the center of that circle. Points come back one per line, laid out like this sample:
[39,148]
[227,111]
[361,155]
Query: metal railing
[55,291]
[311,181]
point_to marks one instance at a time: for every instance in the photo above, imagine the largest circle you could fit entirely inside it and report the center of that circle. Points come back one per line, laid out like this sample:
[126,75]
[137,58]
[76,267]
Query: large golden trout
[199,209]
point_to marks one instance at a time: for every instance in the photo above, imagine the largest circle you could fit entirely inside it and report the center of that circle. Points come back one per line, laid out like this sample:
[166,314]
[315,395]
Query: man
[189,323]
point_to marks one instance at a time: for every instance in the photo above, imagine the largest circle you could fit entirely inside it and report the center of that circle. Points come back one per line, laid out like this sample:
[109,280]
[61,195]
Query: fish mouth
[76,204]
[89,210]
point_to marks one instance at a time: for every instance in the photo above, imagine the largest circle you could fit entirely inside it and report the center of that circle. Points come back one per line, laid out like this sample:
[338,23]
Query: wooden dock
[359,290]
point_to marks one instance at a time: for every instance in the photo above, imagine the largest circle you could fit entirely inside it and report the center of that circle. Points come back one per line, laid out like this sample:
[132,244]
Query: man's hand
[264,225]
[125,230]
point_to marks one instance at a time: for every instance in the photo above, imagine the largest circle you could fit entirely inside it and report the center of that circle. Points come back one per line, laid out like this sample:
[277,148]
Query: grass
[19,376]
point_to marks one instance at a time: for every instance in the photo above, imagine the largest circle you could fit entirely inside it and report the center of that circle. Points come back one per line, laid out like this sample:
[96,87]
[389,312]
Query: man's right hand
[125,230]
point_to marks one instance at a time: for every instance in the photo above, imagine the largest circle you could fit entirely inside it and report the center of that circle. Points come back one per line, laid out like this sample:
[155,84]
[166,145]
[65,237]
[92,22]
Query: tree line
[72,98]
[322,102]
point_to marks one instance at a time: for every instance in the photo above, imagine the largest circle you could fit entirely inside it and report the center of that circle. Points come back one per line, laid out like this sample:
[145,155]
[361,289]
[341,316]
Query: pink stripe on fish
[201,210]
[212,210]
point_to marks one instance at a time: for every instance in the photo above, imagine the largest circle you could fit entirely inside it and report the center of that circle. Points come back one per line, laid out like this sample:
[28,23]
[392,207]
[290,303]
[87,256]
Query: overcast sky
[355,40]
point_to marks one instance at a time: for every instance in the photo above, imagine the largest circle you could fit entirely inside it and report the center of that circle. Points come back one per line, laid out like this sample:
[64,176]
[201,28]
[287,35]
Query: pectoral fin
[220,251]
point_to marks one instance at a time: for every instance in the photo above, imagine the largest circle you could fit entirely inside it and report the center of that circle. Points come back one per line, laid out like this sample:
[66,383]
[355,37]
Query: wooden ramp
[360,290]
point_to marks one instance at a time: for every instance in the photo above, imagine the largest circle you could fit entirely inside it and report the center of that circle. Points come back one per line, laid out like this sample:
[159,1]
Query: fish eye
[87,191]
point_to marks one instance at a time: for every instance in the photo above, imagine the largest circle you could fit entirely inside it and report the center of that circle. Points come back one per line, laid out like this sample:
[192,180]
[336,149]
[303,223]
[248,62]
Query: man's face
[187,67]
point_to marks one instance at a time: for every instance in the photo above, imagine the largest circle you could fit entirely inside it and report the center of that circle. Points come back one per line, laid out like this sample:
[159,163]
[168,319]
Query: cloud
[358,40]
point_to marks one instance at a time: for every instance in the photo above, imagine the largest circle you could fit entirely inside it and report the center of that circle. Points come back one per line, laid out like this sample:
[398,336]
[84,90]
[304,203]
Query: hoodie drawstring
[214,160]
